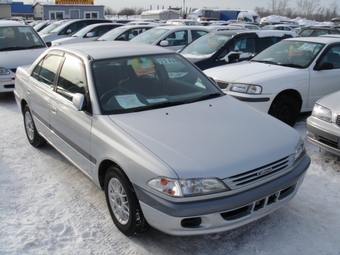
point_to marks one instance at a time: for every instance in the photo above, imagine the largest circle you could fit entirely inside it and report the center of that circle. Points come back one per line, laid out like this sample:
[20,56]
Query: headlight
[4,71]
[187,187]
[299,150]
[56,44]
[322,113]
[246,88]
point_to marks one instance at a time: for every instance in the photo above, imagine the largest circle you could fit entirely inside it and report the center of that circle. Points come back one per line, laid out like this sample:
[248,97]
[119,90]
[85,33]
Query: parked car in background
[183,22]
[286,78]
[88,33]
[220,48]
[172,37]
[246,26]
[278,27]
[20,45]
[69,28]
[152,131]
[317,30]
[125,33]
[41,25]
[323,126]
[51,27]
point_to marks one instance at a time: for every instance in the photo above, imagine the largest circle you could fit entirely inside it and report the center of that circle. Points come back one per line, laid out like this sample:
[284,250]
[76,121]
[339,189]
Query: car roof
[260,33]
[111,49]
[317,39]
[171,27]
[12,23]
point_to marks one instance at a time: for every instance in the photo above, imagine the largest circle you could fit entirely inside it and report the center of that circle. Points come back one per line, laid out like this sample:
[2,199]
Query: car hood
[219,137]
[250,72]
[196,58]
[13,59]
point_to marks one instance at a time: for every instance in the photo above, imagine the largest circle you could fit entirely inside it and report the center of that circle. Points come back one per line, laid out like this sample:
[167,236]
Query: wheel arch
[102,170]
[291,92]
[23,103]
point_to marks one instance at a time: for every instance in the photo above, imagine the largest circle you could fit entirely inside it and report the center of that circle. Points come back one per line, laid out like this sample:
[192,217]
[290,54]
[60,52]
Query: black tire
[31,132]
[286,109]
[123,204]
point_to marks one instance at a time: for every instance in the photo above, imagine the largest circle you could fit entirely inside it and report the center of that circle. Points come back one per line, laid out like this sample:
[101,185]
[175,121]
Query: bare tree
[109,11]
[307,8]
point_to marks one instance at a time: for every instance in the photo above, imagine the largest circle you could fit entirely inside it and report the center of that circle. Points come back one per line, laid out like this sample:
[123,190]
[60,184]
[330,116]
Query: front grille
[222,85]
[259,174]
[337,120]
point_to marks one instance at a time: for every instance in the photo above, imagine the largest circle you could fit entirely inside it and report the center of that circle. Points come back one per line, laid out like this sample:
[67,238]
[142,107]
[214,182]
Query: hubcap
[118,201]
[29,126]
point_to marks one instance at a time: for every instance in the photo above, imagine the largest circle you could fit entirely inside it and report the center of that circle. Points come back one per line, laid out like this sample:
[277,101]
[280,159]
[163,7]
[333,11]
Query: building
[68,9]
[5,8]
[161,14]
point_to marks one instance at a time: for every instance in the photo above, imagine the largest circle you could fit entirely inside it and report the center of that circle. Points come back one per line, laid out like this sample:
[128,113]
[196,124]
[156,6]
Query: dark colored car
[220,48]
[317,30]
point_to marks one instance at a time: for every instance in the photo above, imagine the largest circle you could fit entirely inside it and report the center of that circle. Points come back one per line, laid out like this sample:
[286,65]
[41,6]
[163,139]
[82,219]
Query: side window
[45,71]
[245,44]
[72,78]
[320,32]
[177,38]
[306,32]
[333,56]
[197,33]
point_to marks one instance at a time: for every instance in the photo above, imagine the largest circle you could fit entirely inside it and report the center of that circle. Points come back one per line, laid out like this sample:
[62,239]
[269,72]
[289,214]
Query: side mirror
[89,34]
[324,66]
[232,57]
[164,43]
[78,101]
[68,31]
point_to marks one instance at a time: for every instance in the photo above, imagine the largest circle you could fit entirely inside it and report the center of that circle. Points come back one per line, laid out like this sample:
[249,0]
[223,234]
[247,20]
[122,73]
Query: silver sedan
[168,148]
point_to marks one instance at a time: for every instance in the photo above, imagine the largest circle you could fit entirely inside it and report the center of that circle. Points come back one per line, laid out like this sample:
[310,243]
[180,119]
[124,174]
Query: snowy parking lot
[47,206]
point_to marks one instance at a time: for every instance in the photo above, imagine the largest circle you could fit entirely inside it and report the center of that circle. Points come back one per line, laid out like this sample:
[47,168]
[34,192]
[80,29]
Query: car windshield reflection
[149,82]
[296,54]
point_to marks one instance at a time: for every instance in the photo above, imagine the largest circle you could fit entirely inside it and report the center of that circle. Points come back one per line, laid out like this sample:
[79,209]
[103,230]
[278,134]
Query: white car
[168,148]
[286,78]
[172,37]
[88,33]
[323,126]
[68,28]
[20,45]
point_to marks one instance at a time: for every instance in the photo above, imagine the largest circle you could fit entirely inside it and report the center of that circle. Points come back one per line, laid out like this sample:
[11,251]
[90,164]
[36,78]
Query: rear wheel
[285,108]
[31,132]
[123,203]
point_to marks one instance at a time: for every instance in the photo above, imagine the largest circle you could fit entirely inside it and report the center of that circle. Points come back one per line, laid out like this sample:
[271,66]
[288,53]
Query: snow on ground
[48,207]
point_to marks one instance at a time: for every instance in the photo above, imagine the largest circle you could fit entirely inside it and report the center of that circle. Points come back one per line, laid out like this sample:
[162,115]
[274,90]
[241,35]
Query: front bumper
[222,213]
[6,83]
[323,135]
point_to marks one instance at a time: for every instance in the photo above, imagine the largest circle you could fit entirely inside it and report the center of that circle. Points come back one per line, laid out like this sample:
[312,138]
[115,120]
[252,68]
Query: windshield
[292,53]
[206,45]
[148,37]
[19,38]
[112,34]
[52,26]
[149,82]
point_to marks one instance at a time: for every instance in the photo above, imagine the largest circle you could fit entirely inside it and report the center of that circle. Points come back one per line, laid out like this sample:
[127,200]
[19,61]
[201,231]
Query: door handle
[54,109]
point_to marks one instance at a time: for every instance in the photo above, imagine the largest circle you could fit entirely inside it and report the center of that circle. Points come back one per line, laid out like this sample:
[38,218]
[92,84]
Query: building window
[91,15]
[56,15]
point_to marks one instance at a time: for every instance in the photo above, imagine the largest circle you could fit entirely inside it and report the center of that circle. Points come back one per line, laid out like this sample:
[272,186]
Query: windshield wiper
[264,61]
[205,97]
[291,65]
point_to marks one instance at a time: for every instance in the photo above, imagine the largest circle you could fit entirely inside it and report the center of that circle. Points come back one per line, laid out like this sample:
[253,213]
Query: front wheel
[123,203]
[31,132]
[286,109]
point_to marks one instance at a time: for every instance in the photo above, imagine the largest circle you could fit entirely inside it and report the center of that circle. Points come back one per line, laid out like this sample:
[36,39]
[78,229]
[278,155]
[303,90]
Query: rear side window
[306,32]
[45,71]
